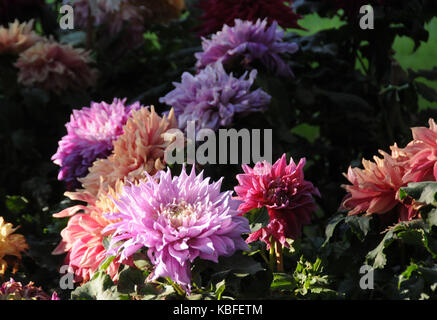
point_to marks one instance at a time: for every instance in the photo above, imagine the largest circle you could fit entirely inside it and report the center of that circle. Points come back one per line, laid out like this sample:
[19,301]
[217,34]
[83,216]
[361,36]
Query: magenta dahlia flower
[90,134]
[282,189]
[178,219]
[246,42]
[217,13]
[212,98]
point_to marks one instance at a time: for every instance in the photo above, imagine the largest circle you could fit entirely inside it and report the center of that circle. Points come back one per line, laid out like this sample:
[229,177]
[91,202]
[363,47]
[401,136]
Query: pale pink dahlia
[282,189]
[375,189]
[245,43]
[178,219]
[90,134]
[55,67]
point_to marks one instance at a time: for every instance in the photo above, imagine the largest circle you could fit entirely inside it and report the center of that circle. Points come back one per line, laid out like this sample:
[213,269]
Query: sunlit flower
[90,134]
[217,13]
[282,189]
[422,153]
[178,219]
[17,37]
[374,189]
[139,149]
[213,98]
[56,67]
[82,238]
[10,244]
[245,43]
[12,290]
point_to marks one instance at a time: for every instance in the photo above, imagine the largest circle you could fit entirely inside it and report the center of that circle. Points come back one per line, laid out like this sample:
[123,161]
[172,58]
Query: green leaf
[16,204]
[283,281]
[141,261]
[258,219]
[377,255]
[130,279]
[424,192]
[329,231]
[100,287]
[360,225]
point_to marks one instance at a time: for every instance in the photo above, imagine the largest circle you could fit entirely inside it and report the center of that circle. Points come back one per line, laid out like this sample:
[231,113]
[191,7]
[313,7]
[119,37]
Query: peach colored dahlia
[55,67]
[140,148]
[17,37]
[10,244]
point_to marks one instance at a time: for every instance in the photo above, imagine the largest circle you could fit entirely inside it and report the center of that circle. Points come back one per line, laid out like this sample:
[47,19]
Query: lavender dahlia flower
[213,97]
[90,134]
[247,42]
[178,219]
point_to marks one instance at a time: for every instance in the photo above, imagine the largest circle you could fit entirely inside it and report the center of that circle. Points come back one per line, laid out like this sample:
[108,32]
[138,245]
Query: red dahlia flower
[217,13]
[281,188]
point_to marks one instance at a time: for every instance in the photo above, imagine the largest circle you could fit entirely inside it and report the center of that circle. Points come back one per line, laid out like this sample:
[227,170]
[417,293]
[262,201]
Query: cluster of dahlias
[45,63]
[217,13]
[129,197]
[12,290]
[11,245]
[213,97]
[375,189]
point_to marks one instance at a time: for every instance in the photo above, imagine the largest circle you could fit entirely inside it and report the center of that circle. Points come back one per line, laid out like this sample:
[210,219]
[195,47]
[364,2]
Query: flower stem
[177,287]
[279,257]
[272,254]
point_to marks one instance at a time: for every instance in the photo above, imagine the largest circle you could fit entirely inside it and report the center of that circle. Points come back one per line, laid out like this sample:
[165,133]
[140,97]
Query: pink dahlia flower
[212,98]
[55,67]
[282,189]
[178,219]
[422,152]
[217,13]
[375,189]
[13,290]
[82,238]
[246,42]
[90,134]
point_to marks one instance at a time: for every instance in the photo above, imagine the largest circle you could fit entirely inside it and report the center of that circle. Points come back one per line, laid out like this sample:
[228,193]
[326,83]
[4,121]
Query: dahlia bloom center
[179,213]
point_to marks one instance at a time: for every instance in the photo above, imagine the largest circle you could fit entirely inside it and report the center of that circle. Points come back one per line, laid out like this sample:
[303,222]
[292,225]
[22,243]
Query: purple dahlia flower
[213,97]
[90,134]
[247,42]
[178,219]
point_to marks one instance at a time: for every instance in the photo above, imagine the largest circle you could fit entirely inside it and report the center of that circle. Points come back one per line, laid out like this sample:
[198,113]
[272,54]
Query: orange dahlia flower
[17,37]
[10,244]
